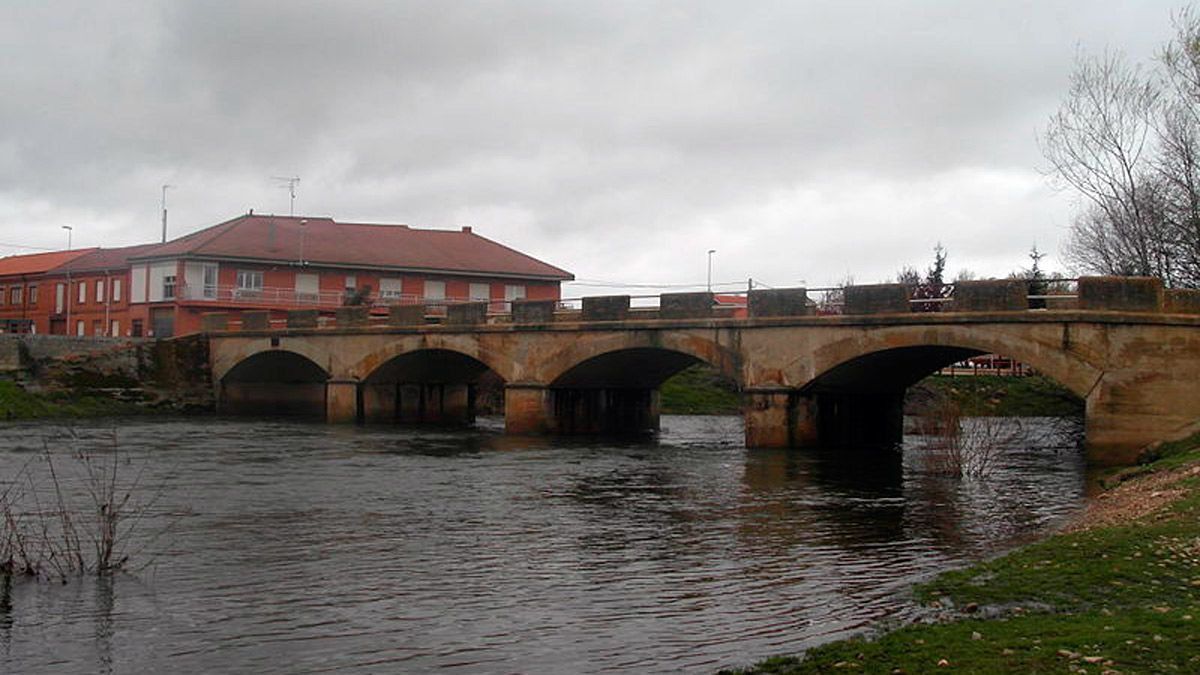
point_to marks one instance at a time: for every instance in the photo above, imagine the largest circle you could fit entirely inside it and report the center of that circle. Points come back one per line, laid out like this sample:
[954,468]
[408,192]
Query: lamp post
[70,230]
[711,251]
[303,229]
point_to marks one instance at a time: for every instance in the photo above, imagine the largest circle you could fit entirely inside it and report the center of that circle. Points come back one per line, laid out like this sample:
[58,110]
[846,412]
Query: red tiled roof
[36,263]
[100,259]
[326,242]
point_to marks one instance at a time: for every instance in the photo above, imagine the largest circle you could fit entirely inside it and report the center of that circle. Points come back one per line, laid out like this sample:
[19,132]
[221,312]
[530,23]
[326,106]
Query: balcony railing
[290,297]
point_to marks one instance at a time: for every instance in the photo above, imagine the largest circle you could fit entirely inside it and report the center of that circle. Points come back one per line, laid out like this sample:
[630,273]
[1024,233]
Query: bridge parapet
[779,302]
[1122,294]
[1001,295]
[1183,301]
[606,308]
[685,305]
[877,299]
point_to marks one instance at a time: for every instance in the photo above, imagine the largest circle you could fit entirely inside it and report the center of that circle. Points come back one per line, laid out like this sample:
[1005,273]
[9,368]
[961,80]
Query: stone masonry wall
[170,374]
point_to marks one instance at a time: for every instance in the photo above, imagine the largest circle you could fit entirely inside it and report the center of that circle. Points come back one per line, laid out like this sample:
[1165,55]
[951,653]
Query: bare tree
[1128,142]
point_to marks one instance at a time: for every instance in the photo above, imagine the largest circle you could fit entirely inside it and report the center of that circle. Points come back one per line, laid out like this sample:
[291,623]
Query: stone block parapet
[685,305]
[256,320]
[877,299]
[302,318]
[406,315]
[1121,294]
[779,302]
[354,315]
[606,308]
[533,311]
[1183,301]
[467,313]
[215,321]
[998,295]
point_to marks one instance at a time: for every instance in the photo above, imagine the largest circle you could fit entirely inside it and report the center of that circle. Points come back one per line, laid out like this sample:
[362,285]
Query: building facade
[276,263]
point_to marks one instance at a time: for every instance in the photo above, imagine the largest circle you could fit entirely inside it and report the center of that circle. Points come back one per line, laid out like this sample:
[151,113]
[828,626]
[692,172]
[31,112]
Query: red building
[24,295]
[279,263]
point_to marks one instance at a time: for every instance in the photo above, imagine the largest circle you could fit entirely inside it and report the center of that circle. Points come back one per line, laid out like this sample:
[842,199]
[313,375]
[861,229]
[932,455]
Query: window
[99,290]
[60,295]
[351,282]
[79,328]
[114,328]
[15,295]
[249,282]
[116,290]
[389,289]
[307,287]
[435,290]
[514,292]
[1,295]
[169,287]
[97,327]
[33,295]
[82,293]
[479,292]
[210,281]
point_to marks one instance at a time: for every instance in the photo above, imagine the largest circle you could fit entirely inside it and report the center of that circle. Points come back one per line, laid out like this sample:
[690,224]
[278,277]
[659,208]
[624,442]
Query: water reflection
[305,548]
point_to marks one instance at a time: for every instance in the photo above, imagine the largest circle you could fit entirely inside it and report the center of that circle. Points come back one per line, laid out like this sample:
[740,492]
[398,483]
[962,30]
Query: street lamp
[711,251]
[303,229]
[70,230]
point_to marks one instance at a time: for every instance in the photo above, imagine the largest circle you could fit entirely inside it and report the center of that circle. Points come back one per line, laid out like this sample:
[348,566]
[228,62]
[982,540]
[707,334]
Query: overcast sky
[804,141]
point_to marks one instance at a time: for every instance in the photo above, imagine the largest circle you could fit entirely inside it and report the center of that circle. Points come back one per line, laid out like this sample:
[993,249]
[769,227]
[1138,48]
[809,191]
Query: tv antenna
[289,182]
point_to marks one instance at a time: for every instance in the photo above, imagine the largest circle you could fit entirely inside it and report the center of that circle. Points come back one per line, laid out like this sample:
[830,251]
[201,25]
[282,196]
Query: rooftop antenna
[290,183]
[164,211]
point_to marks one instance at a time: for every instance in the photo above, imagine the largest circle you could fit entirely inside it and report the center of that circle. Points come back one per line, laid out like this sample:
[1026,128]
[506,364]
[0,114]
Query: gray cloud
[621,140]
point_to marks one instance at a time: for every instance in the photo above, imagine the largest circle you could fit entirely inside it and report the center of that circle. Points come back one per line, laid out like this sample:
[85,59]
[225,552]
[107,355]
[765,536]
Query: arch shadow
[276,382]
[429,386]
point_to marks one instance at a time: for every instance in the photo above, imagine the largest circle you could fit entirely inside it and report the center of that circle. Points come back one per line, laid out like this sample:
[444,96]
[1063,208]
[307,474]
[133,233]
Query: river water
[280,547]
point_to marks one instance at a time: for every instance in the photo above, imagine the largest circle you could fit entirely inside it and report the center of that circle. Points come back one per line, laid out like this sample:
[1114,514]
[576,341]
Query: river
[280,547]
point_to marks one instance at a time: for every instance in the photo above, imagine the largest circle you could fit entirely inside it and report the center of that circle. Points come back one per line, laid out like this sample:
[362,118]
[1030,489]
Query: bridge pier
[528,409]
[342,401]
[779,418]
[534,409]
[860,418]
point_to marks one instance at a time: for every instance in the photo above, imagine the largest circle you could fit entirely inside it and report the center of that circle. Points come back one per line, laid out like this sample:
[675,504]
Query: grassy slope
[16,403]
[1005,396]
[699,390]
[1123,598]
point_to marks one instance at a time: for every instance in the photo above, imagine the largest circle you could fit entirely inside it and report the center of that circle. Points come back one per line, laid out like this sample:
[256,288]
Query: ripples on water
[299,548]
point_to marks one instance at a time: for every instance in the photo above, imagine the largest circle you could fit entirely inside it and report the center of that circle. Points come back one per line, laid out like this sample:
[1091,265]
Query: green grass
[1123,598]
[700,390]
[16,403]
[991,395]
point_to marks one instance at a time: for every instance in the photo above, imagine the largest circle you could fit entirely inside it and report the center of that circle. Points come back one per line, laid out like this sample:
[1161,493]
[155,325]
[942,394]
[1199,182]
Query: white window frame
[99,291]
[435,289]
[249,282]
[209,292]
[351,283]
[15,295]
[33,296]
[391,288]
[475,294]
[114,328]
[116,289]
[169,285]
[82,293]
[80,328]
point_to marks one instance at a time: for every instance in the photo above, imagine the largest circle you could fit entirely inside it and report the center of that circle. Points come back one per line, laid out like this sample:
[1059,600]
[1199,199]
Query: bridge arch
[855,386]
[363,367]
[931,347]
[427,385]
[274,382]
[614,349]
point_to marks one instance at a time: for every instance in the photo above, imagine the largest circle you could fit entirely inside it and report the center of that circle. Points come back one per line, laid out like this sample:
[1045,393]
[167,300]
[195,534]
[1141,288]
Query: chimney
[466,229]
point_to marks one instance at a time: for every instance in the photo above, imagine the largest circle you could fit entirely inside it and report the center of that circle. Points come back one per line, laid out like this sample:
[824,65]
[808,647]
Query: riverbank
[18,404]
[1118,591]
[998,396]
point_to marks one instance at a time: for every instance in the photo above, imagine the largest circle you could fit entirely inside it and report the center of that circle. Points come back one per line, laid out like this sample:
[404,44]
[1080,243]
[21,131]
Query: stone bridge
[1130,349]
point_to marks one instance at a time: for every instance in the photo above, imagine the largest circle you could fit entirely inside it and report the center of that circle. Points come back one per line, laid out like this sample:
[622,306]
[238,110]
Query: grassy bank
[1120,594]
[700,390]
[993,395]
[17,404]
